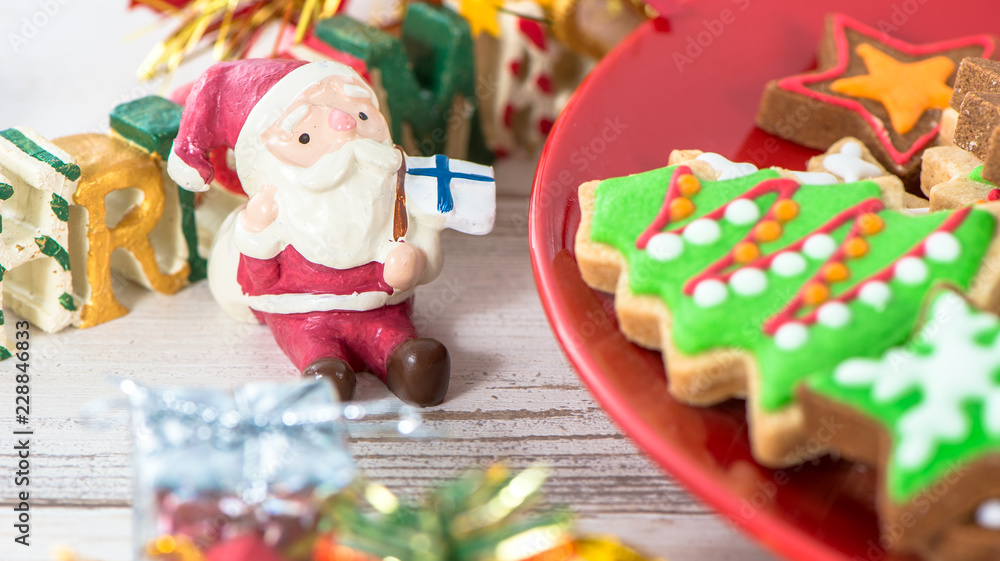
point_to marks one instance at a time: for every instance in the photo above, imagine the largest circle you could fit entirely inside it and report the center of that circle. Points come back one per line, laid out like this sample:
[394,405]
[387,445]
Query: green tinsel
[479,516]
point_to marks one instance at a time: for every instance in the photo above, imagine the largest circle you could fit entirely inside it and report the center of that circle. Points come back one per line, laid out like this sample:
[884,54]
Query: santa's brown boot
[340,374]
[417,371]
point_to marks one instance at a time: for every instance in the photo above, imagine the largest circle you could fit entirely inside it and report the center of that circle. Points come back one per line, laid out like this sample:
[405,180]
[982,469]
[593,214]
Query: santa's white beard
[339,211]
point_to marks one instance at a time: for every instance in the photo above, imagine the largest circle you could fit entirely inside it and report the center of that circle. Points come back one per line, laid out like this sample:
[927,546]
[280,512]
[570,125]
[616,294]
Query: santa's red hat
[231,105]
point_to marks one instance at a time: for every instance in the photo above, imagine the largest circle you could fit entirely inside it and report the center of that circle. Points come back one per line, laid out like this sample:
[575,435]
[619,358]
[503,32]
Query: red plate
[695,83]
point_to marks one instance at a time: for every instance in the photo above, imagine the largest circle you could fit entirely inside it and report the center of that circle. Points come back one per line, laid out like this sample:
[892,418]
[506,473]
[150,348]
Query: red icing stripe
[533,31]
[788,314]
[797,84]
[662,217]
[785,188]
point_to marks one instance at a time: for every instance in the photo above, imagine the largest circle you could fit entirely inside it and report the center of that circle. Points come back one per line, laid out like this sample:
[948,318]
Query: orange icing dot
[785,210]
[835,272]
[906,90]
[688,185]
[745,252]
[767,231]
[855,248]
[870,224]
[681,208]
[815,293]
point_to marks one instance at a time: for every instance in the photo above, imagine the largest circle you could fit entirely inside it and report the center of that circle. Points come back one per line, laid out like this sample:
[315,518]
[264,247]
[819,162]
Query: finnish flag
[464,192]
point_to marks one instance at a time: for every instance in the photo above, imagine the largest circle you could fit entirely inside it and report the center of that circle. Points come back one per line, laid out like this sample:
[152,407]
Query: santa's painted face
[327,115]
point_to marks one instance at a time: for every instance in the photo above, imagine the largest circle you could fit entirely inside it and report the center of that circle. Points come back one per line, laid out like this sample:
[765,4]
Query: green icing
[6,190]
[197,263]
[945,376]
[4,353]
[51,248]
[60,207]
[70,171]
[1,317]
[625,206]
[977,175]
[66,301]
[151,122]
[421,72]
[3,271]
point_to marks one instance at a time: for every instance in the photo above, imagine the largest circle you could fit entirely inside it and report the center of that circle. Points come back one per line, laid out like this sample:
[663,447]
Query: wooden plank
[513,398]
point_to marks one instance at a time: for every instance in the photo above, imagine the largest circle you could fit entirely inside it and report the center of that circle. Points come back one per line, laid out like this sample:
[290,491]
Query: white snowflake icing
[958,371]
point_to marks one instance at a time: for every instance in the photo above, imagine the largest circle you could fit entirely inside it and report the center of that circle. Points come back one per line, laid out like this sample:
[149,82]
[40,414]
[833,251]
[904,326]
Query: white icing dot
[819,246]
[852,149]
[748,281]
[665,246]
[709,293]
[988,514]
[942,247]
[815,178]
[911,270]
[742,212]
[788,264]
[834,314]
[790,336]
[875,294]
[702,231]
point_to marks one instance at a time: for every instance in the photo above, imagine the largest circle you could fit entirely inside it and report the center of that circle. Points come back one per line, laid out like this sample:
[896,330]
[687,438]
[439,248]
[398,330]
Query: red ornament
[326,548]
[247,547]
[993,195]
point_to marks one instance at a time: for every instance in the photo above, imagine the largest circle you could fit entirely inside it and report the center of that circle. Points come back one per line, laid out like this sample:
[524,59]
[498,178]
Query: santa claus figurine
[341,225]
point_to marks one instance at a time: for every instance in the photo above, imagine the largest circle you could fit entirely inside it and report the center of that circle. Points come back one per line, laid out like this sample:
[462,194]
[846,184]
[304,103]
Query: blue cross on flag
[464,192]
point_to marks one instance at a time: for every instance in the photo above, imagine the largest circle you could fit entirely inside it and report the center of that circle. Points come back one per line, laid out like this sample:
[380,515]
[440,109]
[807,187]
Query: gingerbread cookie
[928,415]
[953,178]
[977,101]
[884,91]
[848,160]
[751,284]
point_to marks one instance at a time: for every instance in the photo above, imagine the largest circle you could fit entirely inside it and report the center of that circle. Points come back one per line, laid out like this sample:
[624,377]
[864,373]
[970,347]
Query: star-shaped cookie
[886,92]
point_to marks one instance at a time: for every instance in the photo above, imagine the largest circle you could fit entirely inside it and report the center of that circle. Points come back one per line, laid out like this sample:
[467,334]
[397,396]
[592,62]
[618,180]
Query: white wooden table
[513,395]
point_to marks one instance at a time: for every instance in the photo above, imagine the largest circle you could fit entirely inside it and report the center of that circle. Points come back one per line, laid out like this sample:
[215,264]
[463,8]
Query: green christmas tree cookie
[751,284]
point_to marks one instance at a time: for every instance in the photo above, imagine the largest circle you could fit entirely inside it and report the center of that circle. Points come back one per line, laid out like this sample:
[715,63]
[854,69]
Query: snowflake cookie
[927,413]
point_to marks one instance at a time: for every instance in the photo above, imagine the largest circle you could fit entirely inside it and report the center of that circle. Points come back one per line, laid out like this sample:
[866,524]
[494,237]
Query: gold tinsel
[229,24]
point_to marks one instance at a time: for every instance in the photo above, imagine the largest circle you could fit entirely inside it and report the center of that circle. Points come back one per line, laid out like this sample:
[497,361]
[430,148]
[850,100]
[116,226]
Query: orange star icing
[905,89]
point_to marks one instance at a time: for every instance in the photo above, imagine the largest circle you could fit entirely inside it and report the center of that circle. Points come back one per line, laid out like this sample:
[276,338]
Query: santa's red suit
[362,338]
